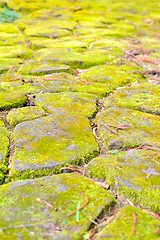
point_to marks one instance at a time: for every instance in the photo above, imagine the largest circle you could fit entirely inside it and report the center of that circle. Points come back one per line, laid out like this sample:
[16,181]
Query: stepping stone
[41,68]
[4,146]
[76,59]
[102,80]
[18,51]
[80,103]
[7,64]
[44,145]
[19,115]
[121,128]
[10,100]
[134,173]
[131,223]
[47,207]
[142,97]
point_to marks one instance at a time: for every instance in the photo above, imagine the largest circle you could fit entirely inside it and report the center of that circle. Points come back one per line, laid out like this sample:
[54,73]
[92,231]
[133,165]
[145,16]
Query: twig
[81,206]
[134,223]
[44,202]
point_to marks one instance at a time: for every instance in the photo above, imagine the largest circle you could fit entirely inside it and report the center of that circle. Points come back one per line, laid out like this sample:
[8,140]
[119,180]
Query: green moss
[134,173]
[52,141]
[4,148]
[9,100]
[143,97]
[7,38]
[79,103]
[41,68]
[16,116]
[122,226]
[122,128]
[35,218]
[76,59]
[102,80]
[7,64]
[15,52]
[7,15]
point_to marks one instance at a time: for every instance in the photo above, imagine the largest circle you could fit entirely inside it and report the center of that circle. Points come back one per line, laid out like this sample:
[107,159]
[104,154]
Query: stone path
[79,119]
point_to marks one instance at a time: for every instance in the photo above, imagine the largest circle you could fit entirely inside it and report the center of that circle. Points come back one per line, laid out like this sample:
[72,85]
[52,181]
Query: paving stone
[66,42]
[80,103]
[9,100]
[15,52]
[124,226]
[102,80]
[42,205]
[7,64]
[41,68]
[122,128]
[44,145]
[55,28]
[143,97]
[4,146]
[77,59]
[19,115]
[134,173]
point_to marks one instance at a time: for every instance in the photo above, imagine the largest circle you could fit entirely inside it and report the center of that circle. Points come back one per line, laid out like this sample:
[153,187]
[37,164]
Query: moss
[10,39]
[122,128]
[55,29]
[15,52]
[66,42]
[63,192]
[77,59]
[52,141]
[128,173]
[102,80]
[7,15]
[6,64]
[19,115]
[80,103]
[41,68]
[146,226]
[143,97]
[8,100]
[4,149]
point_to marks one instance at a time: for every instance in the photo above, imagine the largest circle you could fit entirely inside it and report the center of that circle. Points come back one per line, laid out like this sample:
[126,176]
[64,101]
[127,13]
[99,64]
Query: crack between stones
[94,128]
[11,146]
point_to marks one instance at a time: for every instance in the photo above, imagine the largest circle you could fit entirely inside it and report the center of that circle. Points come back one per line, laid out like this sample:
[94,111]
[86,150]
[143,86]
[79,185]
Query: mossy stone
[50,142]
[103,79]
[124,226]
[9,100]
[82,104]
[41,68]
[4,149]
[143,97]
[19,115]
[122,128]
[15,52]
[76,59]
[42,206]
[134,173]
[7,64]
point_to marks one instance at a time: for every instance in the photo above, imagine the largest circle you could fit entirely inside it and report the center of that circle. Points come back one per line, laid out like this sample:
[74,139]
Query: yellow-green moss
[134,173]
[122,128]
[19,115]
[79,103]
[131,223]
[52,141]
[143,97]
[4,149]
[35,218]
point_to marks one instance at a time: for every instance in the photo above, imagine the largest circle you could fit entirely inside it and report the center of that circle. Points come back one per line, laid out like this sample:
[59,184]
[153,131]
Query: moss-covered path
[79,119]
